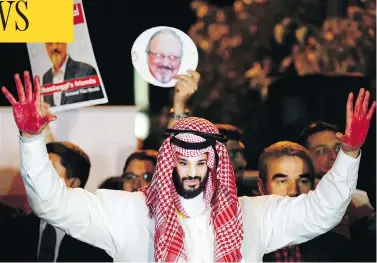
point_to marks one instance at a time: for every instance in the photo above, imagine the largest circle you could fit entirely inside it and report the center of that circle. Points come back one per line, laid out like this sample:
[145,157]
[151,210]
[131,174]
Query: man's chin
[57,60]
[164,81]
[192,193]
[163,78]
[191,188]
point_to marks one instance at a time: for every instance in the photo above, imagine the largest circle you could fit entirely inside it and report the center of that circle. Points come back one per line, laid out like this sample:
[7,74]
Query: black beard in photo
[185,193]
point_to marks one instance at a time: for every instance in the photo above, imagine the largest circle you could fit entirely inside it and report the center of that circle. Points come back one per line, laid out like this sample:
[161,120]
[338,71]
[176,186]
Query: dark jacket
[74,69]
[329,247]
[8,212]
[19,243]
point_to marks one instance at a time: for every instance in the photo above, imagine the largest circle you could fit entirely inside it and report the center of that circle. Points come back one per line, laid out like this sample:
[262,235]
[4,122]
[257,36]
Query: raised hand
[185,87]
[358,121]
[27,112]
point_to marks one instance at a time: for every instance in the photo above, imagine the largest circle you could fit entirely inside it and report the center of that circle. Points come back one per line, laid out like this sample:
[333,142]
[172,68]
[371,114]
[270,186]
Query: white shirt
[58,77]
[118,221]
[59,237]
[197,227]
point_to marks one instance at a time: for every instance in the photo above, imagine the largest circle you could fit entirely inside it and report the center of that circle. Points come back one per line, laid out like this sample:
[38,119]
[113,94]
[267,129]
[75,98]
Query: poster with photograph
[160,53]
[68,71]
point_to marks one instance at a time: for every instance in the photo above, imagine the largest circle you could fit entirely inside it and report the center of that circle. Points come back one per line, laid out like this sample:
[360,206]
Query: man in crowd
[321,141]
[236,150]
[138,170]
[193,187]
[36,239]
[286,169]
[323,145]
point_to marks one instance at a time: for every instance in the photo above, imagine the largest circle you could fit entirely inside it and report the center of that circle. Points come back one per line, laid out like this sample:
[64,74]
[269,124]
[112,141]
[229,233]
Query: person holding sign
[190,211]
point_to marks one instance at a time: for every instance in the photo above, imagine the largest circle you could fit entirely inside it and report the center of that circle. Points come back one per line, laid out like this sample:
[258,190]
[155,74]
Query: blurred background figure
[321,141]
[236,151]
[138,170]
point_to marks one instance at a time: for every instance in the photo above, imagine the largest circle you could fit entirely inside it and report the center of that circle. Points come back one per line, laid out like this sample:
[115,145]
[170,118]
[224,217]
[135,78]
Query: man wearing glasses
[138,170]
[164,50]
[321,141]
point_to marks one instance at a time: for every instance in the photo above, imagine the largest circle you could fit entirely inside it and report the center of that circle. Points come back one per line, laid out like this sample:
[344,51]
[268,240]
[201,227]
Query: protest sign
[68,71]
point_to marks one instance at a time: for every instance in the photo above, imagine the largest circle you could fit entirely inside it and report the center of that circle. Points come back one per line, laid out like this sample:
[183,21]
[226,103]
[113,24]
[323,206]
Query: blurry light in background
[142,121]
[141,91]
[142,125]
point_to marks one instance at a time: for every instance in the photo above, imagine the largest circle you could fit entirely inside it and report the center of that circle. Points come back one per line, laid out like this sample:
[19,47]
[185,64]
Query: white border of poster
[77,82]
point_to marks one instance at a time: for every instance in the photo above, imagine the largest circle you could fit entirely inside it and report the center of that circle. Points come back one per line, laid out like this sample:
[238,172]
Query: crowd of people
[189,201]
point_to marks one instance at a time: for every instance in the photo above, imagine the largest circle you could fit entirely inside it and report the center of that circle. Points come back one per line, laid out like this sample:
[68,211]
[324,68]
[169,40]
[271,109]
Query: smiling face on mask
[164,56]
[191,175]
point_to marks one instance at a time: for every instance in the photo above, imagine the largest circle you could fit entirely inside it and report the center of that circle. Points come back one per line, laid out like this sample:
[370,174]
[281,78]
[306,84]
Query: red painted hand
[358,121]
[28,114]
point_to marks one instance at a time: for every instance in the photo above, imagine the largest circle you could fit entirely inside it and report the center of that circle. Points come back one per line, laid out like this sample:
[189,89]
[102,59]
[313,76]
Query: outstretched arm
[80,213]
[295,220]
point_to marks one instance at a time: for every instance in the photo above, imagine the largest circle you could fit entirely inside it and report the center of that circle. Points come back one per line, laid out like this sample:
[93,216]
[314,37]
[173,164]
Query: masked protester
[190,211]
